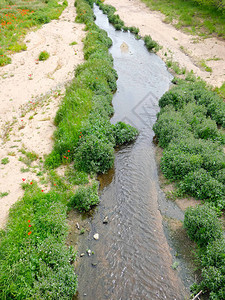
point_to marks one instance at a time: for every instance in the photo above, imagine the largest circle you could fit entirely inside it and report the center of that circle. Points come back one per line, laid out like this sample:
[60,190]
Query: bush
[214,255]
[124,133]
[171,126]
[85,197]
[175,164]
[202,225]
[150,44]
[94,155]
[53,160]
[37,257]
[203,186]
[44,55]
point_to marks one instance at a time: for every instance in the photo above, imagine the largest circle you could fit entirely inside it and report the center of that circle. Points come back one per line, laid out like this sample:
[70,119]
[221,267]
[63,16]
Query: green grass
[191,16]
[17,17]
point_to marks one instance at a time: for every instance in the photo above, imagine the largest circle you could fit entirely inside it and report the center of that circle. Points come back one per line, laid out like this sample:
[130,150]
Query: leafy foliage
[150,44]
[85,197]
[202,225]
[33,249]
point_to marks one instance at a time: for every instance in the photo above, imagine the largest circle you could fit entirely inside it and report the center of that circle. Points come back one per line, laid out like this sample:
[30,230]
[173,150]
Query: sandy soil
[193,49]
[29,98]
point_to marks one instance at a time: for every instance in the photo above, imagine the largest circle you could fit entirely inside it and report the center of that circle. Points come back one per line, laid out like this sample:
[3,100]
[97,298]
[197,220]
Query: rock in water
[106,220]
[96,236]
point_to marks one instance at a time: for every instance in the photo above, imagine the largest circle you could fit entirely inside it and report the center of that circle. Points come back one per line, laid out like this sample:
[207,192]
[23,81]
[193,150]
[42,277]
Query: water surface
[132,259]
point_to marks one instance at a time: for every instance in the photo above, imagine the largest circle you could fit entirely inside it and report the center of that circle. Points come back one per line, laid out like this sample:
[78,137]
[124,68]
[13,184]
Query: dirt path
[29,97]
[187,50]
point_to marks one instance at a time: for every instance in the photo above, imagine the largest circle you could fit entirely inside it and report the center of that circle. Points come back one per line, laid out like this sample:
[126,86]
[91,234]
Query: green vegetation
[83,118]
[44,55]
[34,260]
[5,161]
[202,17]
[150,44]
[3,194]
[85,197]
[193,157]
[18,16]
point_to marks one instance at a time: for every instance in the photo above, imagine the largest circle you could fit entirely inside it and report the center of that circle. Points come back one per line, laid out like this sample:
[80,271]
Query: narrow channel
[132,258]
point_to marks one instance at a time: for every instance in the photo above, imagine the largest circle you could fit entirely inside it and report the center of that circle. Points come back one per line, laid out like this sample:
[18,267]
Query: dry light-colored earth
[29,98]
[31,91]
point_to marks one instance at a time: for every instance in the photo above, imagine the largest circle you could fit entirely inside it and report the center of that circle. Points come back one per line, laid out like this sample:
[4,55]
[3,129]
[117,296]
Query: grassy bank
[190,129]
[35,262]
[17,17]
[196,17]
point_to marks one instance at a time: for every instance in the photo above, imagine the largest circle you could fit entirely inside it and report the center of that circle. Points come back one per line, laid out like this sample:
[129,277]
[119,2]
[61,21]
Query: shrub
[175,164]
[85,197]
[178,96]
[44,55]
[202,185]
[150,44]
[53,160]
[214,255]
[124,133]
[5,161]
[171,126]
[202,225]
[94,155]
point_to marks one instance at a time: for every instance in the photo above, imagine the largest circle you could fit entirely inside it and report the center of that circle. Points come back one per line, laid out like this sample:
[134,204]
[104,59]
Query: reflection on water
[131,259]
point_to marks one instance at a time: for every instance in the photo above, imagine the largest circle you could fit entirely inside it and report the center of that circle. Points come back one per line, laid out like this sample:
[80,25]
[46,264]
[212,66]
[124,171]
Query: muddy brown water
[132,258]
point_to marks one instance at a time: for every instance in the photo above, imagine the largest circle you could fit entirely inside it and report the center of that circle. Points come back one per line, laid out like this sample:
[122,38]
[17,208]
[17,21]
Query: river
[132,258]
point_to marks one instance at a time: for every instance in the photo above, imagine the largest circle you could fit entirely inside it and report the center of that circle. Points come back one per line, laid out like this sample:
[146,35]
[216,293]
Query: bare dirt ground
[29,98]
[185,49]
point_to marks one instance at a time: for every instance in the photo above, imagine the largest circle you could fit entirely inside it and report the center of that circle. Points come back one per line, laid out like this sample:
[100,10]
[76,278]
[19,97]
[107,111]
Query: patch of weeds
[5,161]
[85,197]
[73,43]
[204,66]
[76,177]
[4,194]
[175,67]
[11,153]
[175,265]
[24,170]
[150,44]
[221,90]
[28,158]
[44,55]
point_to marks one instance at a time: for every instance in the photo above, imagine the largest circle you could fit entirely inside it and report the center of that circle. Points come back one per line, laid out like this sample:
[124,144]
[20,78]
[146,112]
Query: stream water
[132,258]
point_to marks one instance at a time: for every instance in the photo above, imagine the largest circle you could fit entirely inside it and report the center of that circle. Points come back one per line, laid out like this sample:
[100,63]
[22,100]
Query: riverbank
[30,94]
[189,51]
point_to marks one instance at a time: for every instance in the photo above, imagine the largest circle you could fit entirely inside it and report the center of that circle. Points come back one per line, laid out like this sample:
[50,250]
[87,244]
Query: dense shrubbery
[34,260]
[85,197]
[205,229]
[202,225]
[83,117]
[150,44]
[197,92]
[194,157]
